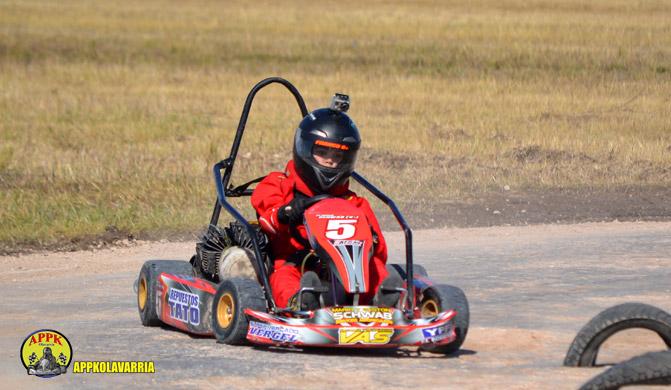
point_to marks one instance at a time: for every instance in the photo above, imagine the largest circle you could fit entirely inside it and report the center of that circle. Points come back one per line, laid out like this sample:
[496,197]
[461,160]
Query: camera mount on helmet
[340,102]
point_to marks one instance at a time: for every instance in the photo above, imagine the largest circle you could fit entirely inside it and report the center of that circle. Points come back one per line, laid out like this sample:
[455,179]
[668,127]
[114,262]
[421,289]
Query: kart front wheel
[233,296]
[443,297]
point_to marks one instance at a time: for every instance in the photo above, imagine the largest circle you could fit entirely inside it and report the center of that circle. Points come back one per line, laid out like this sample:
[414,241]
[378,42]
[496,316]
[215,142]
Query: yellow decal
[380,315]
[349,336]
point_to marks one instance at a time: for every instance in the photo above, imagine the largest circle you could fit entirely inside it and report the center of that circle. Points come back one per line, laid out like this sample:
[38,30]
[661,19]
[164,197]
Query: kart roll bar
[224,190]
[227,166]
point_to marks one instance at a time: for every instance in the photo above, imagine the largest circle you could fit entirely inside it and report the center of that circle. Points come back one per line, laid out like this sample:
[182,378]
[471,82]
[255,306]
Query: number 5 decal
[340,229]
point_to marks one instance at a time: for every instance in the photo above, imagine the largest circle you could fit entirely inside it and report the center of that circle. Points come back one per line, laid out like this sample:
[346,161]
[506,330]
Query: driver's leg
[284,282]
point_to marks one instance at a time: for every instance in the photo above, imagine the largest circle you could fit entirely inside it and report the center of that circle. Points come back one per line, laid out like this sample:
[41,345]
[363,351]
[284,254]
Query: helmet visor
[332,155]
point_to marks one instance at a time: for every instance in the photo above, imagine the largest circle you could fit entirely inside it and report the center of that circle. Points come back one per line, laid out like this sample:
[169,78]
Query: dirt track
[530,288]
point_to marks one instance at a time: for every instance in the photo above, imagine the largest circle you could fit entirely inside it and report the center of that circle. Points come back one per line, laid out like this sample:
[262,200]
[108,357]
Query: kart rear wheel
[443,297]
[146,286]
[233,296]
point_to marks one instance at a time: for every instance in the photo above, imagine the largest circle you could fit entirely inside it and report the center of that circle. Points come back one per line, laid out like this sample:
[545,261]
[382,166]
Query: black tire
[653,368]
[445,297]
[585,347]
[417,270]
[146,286]
[233,296]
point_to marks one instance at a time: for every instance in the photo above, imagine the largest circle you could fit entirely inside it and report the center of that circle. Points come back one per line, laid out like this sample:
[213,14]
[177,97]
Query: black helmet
[331,131]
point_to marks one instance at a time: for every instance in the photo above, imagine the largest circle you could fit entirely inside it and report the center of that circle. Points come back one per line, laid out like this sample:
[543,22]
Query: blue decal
[272,332]
[436,333]
[184,306]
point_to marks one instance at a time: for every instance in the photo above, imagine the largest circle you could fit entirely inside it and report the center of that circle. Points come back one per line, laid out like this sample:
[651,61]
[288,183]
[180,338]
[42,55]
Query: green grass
[111,115]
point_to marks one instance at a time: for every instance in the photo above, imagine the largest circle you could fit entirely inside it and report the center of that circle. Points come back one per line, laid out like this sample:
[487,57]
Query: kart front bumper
[351,327]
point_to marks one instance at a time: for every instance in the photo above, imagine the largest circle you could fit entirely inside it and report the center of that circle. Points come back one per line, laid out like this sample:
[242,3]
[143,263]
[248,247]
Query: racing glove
[292,212]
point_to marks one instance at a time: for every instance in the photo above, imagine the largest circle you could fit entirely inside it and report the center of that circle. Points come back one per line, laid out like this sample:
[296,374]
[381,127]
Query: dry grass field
[112,113]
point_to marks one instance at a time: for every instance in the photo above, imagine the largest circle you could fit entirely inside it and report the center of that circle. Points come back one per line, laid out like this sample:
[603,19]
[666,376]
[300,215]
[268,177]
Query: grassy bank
[111,115]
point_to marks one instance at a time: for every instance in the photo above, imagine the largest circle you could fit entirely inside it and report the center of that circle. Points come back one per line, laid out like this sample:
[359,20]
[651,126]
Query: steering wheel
[317,198]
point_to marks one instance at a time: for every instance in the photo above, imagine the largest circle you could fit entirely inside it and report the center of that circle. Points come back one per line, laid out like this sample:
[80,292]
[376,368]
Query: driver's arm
[266,199]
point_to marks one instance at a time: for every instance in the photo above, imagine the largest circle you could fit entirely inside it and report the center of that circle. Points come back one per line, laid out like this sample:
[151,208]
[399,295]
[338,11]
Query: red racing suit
[276,190]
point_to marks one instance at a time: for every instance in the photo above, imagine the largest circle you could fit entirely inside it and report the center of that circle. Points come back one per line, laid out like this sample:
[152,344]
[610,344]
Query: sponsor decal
[113,367]
[347,243]
[437,333]
[331,145]
[331,216]
[184,306]
[272,332]
[350,336]
[377,315]
[46,353]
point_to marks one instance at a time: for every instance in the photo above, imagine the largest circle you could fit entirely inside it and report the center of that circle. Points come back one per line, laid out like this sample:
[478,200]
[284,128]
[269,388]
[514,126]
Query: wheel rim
[225,310]
[430,308]
[142,294]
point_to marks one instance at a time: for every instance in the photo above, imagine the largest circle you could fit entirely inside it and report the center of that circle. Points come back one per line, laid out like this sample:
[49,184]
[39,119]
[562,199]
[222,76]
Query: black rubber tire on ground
[146,286]
[653,368]
[448,297]
[417,270]
[233,296]
[585,347]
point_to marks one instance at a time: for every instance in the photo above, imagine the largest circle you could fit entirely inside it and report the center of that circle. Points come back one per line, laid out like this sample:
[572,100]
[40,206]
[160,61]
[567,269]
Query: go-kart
[224,289]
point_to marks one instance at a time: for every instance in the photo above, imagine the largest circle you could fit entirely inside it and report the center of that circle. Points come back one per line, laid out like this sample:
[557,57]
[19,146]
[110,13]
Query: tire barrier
[652,368]
[585,347]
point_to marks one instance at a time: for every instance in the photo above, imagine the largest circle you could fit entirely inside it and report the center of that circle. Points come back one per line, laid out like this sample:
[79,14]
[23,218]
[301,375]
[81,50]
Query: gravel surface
[531,288]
